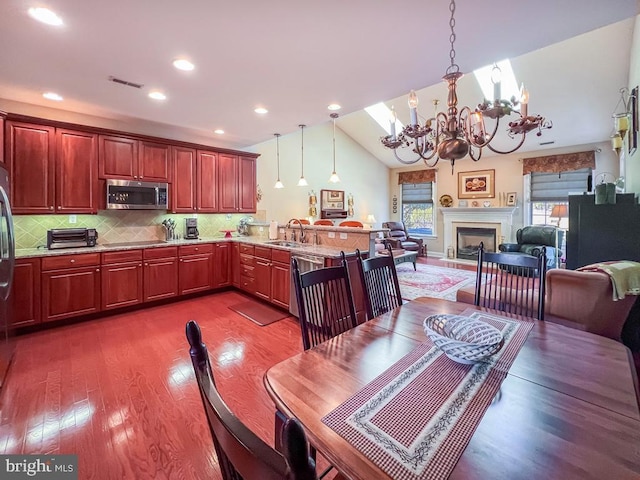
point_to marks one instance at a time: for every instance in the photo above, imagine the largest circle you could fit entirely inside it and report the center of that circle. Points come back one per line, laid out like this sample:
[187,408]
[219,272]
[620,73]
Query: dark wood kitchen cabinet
[25,293]
[127,158]
[195,179]
[262,265]
[2,122]
[221,265]
[234,266]
[70,286]
[280,277]
[236,184]
[247,268]
[76,172]
[52,170]
[195,271]
[30,152]
[160,273]
[121,279]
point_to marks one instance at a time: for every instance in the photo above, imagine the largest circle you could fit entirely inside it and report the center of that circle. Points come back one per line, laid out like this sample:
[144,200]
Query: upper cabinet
[130,159]
[52,170]
[237,183]
[195,181]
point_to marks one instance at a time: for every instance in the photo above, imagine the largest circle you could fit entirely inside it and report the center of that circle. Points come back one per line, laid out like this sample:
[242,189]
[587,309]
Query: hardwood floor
[119,391]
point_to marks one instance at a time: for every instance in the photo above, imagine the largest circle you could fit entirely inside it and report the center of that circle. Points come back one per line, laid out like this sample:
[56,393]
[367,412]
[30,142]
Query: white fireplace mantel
[502,216]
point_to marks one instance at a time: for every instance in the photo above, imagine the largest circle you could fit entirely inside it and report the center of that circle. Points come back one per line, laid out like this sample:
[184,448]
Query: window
[417,208]
[550,195]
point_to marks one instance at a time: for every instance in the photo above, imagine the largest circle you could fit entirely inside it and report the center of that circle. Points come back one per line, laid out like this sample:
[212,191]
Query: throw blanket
[624,274]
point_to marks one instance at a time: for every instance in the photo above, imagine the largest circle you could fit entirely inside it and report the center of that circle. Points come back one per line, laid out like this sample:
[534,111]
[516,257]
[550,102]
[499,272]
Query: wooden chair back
[301,221]
[380,283]
[241,453]
[325,302]
[511,282]
[323,222]
[351,223]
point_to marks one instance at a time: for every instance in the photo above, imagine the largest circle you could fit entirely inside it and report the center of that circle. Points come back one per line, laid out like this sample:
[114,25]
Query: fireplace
[469,239]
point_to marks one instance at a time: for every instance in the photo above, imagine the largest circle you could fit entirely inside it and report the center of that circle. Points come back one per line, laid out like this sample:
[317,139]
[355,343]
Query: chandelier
[458,133]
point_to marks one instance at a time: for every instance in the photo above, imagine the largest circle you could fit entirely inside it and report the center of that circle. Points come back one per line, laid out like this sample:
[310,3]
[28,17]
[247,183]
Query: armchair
[531,239]
[398,237]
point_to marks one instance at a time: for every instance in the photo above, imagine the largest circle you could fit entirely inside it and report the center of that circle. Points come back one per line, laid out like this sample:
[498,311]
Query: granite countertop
[320,250]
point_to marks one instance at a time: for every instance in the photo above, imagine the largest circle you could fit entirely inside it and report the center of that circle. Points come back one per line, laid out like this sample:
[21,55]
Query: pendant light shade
[302,182]
[334,178]
[278,184]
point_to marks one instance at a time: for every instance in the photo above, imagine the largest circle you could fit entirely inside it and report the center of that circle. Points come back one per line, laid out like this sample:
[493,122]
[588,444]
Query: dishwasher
[306,263]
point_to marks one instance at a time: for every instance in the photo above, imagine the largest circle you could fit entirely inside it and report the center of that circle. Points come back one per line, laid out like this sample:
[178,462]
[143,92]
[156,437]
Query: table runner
[416,418]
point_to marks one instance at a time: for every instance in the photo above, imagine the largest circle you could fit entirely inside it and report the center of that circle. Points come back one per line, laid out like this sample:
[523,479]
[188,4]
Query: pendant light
[334,178]
[302,182]
[278,182]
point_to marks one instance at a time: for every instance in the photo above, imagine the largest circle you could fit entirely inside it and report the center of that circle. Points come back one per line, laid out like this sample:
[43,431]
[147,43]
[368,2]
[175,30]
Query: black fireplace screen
[469,239]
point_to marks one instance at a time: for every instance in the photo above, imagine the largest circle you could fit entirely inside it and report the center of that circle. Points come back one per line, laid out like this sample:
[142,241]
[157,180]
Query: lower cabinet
[221,264]
[25,293]
[280,278]
[195,272]
[234,266]
[121,279]
[262,264]
[160,273]
[247,268]
[70,286]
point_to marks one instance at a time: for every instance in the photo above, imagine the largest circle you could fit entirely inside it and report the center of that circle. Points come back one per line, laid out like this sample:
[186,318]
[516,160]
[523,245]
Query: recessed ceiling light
[182,64]
[157,95]
[45,15]
[219,131]
[52,96]
[261,110]
[334,106]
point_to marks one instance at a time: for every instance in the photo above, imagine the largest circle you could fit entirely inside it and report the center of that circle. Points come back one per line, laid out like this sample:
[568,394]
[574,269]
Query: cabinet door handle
[73,261]
[140,265]
[146,264]
[59,207]
[51,207]
[97,269]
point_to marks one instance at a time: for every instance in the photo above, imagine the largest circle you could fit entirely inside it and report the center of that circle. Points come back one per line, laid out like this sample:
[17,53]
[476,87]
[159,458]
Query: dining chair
[380,283]
[325,302]
[241,453]
[323,222]
[512,283]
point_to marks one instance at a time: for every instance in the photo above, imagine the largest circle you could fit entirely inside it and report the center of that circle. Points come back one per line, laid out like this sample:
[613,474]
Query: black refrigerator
[7,263]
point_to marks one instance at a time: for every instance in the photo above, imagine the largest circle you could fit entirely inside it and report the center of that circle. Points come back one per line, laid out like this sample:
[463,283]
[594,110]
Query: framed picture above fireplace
[477,184]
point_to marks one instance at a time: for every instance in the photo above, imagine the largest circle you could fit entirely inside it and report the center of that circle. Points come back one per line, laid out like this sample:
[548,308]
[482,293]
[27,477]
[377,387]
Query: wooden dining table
[568,407]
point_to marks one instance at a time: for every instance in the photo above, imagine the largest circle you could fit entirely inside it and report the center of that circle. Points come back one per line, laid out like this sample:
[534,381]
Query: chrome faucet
[293,234]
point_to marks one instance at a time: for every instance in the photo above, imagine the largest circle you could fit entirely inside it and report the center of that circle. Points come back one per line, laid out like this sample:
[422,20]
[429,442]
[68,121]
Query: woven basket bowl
[463,339]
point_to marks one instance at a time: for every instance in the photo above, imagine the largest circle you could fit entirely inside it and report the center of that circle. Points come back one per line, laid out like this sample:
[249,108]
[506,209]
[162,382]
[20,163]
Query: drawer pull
[73,260]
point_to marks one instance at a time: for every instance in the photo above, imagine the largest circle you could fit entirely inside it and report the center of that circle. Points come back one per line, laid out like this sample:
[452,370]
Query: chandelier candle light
[458,133]
[302,182]
[334,178]
[621,120]
[278,184]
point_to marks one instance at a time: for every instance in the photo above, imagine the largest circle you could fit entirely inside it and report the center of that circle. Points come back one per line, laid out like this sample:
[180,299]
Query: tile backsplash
[123,225]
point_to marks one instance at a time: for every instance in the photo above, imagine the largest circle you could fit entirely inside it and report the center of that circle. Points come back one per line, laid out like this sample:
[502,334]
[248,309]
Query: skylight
[508,84]
[382,114]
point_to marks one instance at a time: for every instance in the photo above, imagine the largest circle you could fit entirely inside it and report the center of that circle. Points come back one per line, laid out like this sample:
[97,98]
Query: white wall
[632,163]
[508,178]
[360,174]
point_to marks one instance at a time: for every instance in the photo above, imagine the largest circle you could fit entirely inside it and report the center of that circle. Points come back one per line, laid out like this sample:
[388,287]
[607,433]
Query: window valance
[565,162]
[417,176]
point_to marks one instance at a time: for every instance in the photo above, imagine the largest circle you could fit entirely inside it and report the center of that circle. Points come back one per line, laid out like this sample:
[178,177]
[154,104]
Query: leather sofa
[398,237]
[531,239]
[581,300]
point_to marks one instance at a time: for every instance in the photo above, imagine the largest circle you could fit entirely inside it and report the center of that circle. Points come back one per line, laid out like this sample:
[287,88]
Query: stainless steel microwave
[132,195]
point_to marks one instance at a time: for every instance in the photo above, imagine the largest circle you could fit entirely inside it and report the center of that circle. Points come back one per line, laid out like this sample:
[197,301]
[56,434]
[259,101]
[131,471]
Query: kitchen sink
[286,243]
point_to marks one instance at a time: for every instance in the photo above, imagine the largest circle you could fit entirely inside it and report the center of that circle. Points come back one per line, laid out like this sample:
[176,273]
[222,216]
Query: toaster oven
[71,238]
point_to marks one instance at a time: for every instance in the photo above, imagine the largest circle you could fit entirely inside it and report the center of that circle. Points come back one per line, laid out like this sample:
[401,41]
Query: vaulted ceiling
[295,58]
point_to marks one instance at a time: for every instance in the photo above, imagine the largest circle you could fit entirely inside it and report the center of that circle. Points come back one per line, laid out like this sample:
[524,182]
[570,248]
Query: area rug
[432,281]
[258,312]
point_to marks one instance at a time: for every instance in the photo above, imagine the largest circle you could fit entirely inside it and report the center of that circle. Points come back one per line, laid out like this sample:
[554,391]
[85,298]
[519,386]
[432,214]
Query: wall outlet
[261,229]
[73,219]
[343,236]
[331,234]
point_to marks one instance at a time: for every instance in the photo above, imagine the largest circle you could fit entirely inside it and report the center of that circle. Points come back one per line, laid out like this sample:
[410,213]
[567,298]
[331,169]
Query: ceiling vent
[125,82]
